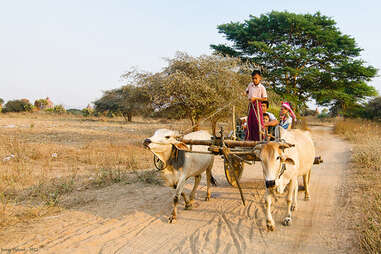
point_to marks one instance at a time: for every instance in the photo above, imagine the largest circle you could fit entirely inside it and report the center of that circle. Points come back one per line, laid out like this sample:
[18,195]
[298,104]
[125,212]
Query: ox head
[278,167]
[162,142]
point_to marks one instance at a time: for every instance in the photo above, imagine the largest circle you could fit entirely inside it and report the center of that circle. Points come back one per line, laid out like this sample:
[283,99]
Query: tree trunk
[127,116]
[214,126]
[195,123]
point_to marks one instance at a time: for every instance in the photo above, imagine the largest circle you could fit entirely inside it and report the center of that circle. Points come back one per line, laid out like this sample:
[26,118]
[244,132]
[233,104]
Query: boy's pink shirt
[256,91]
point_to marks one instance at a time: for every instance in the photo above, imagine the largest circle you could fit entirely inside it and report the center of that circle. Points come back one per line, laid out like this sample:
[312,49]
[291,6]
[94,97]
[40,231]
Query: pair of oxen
[282,165]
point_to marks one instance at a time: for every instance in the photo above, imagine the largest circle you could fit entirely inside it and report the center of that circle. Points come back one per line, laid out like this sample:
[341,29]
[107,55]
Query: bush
[323,116]
[75,111]
[40,104]
[373,109]
[59,109]
[87,112]
[18,106]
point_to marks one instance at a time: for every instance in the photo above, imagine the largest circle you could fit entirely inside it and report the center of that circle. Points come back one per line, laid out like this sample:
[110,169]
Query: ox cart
[235,153]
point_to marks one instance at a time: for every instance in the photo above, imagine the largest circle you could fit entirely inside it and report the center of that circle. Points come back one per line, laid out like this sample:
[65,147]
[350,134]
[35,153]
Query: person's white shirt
[271,116]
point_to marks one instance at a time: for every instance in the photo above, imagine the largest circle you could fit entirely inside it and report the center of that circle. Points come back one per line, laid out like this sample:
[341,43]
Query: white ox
[180,165]
[282,165]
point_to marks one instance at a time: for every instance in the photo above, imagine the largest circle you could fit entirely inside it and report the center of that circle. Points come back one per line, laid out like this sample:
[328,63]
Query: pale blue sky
[73,50]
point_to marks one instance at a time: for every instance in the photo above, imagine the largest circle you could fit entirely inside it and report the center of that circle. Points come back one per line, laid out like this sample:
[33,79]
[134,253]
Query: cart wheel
[238,168]
[158,163]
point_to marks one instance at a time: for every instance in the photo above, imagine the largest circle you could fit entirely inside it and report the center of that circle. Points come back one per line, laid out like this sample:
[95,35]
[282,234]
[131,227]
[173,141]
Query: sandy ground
[132,218]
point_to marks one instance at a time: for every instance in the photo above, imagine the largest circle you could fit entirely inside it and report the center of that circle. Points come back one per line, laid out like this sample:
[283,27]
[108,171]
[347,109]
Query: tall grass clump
[366,137]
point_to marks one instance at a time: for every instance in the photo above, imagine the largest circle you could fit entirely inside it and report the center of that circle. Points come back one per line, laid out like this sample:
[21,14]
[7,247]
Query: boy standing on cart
[256,93]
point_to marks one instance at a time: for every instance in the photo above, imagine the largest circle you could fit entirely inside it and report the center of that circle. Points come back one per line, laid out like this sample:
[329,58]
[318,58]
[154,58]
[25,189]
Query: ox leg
[197,180]
[188,204]
[208,181]
[269,218]
[306,182]
[179,191]
[291,200]
[295,194]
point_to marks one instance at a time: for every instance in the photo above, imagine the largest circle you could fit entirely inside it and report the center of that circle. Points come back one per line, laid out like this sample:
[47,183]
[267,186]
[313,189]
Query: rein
[174,154]
[282,168]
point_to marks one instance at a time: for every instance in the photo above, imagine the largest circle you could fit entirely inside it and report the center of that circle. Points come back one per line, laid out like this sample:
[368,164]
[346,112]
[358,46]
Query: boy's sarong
[253,132]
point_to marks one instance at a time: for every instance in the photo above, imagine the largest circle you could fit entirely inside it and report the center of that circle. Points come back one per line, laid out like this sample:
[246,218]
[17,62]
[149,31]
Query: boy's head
[265,106]
[256,77]
[266,118]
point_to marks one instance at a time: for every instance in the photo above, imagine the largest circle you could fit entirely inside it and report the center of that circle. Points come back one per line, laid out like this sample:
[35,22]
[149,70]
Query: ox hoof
[287,221]
[207,198]
[307,198]
[293,207]
[188,206]
[270,225]
[172,219]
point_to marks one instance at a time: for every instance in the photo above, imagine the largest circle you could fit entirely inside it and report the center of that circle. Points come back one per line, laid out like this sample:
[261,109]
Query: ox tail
[213,180]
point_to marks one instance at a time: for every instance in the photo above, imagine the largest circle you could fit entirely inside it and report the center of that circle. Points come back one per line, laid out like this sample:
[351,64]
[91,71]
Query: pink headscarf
[288,107]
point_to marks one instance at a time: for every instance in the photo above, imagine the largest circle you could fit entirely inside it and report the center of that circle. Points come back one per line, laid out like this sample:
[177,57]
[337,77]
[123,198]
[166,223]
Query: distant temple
[50,103]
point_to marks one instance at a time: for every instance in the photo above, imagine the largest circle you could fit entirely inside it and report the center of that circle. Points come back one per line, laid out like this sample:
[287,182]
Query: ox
[282,164]
[180,165]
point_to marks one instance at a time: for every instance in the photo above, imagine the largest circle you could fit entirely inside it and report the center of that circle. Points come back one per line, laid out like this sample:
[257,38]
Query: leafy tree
[305,56]
[40,104]
[128,101]
[373,109]
[18,106]
[1,101]
[59,109]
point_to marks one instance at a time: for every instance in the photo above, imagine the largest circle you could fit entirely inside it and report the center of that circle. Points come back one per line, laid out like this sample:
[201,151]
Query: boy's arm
[258,99]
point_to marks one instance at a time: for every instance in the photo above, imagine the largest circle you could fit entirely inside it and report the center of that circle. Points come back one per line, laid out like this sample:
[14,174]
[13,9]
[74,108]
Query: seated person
[272,119]
[286,116]
[266,120]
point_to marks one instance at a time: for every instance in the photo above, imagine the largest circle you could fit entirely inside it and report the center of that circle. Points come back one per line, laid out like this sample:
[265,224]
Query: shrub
[75,111]
[59,109]
[87,112]
[40,104]
[18,106]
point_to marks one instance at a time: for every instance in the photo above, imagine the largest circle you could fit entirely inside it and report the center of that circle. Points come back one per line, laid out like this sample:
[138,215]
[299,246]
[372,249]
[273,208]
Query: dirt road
[132,218]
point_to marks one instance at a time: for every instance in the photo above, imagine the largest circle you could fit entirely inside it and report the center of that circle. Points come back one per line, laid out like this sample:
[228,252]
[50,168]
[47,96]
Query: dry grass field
[364,181]
[69,171]
[45,156]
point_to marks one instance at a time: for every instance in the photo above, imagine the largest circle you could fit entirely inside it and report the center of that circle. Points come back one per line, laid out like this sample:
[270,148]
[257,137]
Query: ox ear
[290,161]
[257,150]
[181,146]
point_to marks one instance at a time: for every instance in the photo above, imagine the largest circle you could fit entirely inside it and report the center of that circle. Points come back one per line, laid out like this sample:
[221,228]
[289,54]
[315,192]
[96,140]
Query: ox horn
[285,145]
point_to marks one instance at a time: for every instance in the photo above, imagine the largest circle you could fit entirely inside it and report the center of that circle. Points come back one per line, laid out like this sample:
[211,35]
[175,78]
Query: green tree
[1,104]
[304,55]
[128,101]
[373,109]
[40,104]
[18,106]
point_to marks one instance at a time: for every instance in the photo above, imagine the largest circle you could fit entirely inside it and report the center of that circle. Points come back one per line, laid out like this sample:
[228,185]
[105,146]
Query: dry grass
[45,156]
[366,179]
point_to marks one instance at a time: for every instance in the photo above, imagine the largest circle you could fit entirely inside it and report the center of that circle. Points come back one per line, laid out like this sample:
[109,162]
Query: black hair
[265,114]
[266,102]
[256,72]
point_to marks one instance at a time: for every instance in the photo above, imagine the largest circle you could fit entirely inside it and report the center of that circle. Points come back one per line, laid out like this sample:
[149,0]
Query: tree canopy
[128,101]
[196,87]
[304,56]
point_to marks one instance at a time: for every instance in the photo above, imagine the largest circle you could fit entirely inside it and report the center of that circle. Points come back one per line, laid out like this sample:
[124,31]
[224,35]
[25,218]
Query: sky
[73,50]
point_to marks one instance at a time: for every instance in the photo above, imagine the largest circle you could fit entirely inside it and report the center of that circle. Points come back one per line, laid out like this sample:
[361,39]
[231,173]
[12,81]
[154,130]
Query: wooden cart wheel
[158,163]
[238,168]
